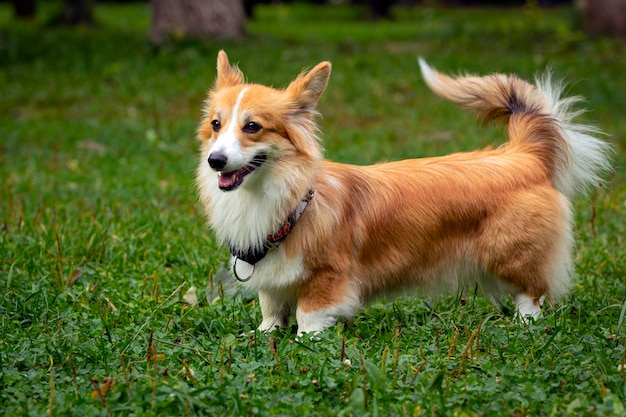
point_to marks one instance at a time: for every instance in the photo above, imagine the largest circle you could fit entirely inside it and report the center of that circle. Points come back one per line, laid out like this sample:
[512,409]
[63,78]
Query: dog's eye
[216,125]
[251,127]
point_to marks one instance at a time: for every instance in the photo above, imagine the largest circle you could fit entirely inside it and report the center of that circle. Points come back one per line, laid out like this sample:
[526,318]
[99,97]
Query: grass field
[101,236]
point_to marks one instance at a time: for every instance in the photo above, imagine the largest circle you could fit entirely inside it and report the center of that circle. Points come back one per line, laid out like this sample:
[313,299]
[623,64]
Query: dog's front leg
[320,306]
[315,321]
[275,310]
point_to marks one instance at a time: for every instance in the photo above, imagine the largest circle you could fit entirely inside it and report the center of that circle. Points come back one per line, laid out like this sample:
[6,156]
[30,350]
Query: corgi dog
[317,238]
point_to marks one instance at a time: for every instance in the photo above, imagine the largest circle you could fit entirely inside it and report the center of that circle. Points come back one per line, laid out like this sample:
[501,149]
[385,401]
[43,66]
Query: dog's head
[247,127]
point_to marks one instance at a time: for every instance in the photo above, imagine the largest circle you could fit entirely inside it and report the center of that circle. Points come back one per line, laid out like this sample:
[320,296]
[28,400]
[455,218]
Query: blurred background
[224,18]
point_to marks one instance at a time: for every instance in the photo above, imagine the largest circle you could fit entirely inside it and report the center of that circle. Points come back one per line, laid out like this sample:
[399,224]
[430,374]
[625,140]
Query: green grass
[101,235]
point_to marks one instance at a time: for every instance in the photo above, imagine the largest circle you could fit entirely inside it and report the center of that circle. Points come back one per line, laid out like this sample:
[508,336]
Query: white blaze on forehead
[228,142]
[234,120]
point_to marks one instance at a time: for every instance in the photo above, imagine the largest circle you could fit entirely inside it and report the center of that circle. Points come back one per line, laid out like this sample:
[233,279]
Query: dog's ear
[227,75]
[309,86]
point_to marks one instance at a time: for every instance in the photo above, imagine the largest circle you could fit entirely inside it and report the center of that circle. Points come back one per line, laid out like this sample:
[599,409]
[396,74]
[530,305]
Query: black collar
[252,255]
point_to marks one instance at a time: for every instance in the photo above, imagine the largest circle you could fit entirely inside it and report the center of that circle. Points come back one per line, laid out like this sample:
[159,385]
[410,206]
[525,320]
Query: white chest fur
[276,271]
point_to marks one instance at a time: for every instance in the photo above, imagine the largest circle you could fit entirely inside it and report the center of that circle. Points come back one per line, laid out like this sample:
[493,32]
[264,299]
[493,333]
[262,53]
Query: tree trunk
[24,9]
[77,12]
[380,9]
[605,16]
[196,19]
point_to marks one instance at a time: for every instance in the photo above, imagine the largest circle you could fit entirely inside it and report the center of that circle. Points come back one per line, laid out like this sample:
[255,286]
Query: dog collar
[252,255]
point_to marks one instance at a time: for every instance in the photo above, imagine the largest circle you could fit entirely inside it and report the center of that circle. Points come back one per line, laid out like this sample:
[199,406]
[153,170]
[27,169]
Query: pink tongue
[227,179]
[230,180]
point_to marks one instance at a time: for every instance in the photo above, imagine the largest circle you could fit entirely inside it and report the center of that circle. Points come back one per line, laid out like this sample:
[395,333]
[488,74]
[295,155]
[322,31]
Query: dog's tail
[539,120]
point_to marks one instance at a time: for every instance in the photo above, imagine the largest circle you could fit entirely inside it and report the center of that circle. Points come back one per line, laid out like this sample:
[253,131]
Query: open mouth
[228,181]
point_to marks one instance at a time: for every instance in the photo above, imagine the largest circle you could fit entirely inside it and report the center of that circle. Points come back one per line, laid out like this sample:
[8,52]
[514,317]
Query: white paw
[271,323]
[314,322]
[527,309]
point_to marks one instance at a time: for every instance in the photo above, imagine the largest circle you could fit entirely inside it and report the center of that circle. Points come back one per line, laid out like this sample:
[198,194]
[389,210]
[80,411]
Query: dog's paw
[528,309]
[270,324]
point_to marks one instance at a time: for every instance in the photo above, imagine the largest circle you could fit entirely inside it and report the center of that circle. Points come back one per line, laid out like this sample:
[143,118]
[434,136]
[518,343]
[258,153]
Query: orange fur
[497,217]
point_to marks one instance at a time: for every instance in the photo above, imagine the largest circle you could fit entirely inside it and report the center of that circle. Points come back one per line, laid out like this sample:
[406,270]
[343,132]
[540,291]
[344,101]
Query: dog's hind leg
[528,246]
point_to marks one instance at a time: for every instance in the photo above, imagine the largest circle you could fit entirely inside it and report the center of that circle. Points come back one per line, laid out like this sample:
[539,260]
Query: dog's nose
[217,161]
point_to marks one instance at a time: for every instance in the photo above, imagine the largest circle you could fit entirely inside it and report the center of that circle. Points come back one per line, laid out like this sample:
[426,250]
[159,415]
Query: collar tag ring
[245,272]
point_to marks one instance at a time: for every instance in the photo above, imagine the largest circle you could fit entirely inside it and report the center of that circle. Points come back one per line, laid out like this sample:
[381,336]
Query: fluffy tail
[540,121]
